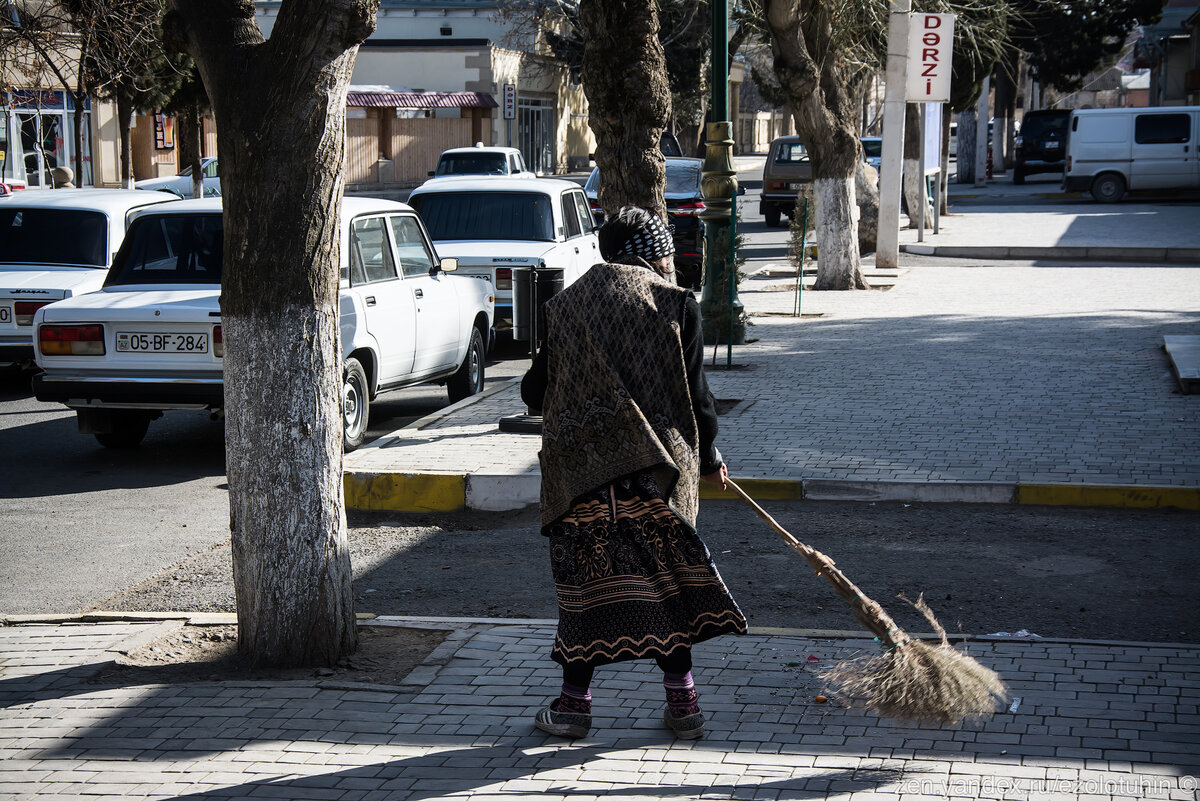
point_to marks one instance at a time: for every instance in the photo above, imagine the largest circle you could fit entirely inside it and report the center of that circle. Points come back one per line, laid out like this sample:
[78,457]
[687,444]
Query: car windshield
[171,249]
[873,148]
[791,153]
[683,179]
[1036,126]
[53,236]
[521,216]
[471,164]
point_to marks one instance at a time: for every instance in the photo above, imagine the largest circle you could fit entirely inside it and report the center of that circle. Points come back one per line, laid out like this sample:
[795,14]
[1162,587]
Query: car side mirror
[448,264]
[741,190]
[430,173]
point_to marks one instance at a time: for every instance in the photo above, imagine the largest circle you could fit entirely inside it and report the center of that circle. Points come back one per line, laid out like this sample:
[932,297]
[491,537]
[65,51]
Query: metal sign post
[510,110]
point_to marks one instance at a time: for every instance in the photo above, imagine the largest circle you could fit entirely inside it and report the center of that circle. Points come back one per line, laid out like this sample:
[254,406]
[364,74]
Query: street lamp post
[719,304]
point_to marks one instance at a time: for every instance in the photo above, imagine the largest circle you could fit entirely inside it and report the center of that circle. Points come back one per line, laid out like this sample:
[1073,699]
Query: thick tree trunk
[866,194]
[280,108]
[915,192]
[188,133]
[838,264]
[1002,133]
[813,76]
[965,147]
[944,178]
[124,112]
[629,100]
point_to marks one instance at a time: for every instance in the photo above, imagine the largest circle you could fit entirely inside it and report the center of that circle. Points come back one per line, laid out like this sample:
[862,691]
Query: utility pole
[887,243]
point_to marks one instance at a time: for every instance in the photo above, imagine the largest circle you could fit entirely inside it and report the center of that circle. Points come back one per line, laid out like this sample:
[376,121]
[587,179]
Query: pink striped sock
[577,700]
[682,698]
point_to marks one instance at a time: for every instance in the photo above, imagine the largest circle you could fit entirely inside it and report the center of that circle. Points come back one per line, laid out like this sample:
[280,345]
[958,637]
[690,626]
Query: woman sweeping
[628,429]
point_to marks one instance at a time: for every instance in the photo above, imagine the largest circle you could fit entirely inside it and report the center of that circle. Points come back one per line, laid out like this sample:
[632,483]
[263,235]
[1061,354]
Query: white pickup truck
[151,339]
[494,225]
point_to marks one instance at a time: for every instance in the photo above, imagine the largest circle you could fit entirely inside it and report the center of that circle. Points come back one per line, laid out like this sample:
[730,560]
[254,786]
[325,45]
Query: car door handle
[576,250]
[370,300]
[419,293]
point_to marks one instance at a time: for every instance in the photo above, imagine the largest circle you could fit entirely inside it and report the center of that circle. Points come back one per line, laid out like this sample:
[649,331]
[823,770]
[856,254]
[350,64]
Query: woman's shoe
[563,724]
[689,727]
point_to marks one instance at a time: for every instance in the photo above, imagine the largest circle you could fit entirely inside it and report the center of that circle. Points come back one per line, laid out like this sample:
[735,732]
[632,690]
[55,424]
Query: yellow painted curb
[405,493]
[760,489]
[1126,497]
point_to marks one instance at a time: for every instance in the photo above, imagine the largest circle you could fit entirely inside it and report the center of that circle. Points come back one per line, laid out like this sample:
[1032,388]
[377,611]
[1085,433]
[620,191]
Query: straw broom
[912,679]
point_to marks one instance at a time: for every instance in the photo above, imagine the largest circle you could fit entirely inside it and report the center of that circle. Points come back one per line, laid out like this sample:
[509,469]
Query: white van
[1112,150]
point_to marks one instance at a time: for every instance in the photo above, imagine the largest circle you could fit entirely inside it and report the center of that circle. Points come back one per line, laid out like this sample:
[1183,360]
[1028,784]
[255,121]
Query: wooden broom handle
[780,530]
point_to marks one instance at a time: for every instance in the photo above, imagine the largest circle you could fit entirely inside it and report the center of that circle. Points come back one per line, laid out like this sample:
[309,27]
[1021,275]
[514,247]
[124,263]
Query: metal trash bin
[532,294]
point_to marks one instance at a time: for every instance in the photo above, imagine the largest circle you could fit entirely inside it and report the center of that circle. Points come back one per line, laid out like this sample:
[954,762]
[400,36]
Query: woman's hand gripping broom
[911,679]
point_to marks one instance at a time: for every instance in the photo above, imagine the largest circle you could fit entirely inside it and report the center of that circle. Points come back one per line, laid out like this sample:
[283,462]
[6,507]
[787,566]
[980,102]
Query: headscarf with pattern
[634,233]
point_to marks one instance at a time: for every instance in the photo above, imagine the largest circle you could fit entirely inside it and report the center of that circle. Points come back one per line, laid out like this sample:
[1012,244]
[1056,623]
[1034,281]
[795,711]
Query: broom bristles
[920,682]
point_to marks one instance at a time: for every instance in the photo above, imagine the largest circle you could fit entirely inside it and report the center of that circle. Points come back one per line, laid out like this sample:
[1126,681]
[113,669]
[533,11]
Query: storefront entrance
[535,119]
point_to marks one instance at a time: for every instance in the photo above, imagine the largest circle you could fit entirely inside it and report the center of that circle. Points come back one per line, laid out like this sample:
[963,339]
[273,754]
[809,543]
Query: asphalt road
[80,522]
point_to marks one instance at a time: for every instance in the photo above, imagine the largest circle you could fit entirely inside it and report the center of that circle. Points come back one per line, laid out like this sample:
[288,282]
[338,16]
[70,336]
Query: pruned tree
[280,109]
[39,47]
[126,62]
[1065,40]
[98,48]
[629,101]
[684,33]
[814,73]
[189,103]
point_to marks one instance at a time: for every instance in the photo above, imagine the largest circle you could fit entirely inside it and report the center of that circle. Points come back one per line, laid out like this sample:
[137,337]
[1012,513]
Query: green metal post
[732,273]
[718,185]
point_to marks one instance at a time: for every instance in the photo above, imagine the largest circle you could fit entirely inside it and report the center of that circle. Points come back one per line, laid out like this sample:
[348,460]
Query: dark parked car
[786,171]
[1042,144]
[683,208]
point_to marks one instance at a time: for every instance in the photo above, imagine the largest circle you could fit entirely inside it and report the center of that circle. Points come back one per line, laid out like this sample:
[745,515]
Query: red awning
[418,100]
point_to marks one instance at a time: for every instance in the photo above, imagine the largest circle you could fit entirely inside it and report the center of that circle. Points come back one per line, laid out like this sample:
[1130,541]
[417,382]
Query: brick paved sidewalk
[1094,721]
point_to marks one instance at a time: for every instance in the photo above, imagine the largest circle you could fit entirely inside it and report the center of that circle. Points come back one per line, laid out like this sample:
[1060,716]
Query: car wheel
[128,428]
[1018,176]
[468,380]
[772,215]
[356,405]
[1108,188]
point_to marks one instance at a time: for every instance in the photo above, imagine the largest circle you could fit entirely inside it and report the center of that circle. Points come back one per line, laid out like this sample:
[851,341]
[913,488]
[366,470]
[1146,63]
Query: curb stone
[463,628]
[403,492]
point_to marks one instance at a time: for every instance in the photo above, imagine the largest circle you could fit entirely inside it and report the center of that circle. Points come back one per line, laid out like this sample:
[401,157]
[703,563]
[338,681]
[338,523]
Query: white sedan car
[55,244]
[151,339]
[496,225]
[181,185]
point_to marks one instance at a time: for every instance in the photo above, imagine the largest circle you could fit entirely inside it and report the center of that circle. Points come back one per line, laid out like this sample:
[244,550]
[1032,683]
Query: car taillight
[23,310]
[503,278]
[71,340]
[218,342]
[778,185]
[689,209]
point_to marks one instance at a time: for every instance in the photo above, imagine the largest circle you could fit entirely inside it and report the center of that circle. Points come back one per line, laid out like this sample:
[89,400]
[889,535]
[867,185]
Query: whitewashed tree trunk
[838,263]
[914,186]
[280,108]
[866,195]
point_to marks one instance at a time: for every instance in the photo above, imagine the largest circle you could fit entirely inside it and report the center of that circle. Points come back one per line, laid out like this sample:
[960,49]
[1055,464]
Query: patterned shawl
[617,398]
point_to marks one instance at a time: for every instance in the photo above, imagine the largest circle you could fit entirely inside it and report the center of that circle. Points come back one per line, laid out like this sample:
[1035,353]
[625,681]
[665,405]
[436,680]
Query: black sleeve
[533,385]
[703,404]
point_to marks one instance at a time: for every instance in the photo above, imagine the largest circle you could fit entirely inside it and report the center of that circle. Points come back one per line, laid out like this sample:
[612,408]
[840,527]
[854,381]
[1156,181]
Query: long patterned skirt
[633,579]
